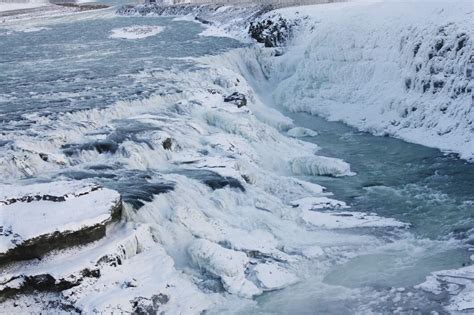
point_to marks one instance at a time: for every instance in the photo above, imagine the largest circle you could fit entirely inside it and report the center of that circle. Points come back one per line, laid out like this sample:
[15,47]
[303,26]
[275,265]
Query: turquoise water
[432,191]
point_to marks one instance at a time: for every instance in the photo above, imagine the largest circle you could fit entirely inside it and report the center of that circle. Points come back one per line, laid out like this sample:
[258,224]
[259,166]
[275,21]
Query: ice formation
[399,68]
[136,31]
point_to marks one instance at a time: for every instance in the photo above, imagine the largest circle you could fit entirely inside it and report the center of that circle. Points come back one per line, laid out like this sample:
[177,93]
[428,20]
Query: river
[78,66]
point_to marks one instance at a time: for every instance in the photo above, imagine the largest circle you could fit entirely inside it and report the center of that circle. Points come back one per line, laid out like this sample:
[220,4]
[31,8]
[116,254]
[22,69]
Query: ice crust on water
[458,284]
[136,31]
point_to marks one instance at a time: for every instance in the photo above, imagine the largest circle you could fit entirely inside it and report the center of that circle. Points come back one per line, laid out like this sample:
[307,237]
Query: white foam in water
[136,31]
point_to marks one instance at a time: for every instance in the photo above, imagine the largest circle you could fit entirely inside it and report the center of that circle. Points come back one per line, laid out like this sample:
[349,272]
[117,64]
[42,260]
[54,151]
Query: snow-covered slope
[399,68]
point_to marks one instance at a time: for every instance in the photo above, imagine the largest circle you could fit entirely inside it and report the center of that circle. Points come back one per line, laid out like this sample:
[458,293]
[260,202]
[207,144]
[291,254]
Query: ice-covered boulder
[38,218]
[273,277]
[227,264]
[320,166]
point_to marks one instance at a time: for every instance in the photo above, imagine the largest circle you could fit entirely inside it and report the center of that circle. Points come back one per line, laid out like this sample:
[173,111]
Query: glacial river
[67,67]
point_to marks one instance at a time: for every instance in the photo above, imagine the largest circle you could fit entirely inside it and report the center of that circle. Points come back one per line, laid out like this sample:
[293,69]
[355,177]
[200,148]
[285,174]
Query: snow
[227,264]
[248,240]
[25,219]
[320,166]
[398,68]
[20,5]
[136,31]
[274,277]
[300,132]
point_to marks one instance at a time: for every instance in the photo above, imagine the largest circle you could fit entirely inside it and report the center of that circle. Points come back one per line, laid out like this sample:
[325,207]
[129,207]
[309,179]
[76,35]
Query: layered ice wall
[399,68]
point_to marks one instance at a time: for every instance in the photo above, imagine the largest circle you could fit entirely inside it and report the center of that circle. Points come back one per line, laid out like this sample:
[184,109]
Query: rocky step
[39,218]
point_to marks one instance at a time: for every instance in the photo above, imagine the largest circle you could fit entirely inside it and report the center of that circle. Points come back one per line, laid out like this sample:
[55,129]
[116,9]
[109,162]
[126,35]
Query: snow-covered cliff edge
[394,68]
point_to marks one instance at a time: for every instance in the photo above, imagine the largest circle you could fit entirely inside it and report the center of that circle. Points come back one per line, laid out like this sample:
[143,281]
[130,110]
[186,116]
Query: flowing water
[415,184]
[76,65]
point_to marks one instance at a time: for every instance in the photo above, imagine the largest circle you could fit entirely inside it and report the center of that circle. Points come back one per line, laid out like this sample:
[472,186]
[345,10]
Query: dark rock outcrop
[82,217]
[236,98]
[272,33]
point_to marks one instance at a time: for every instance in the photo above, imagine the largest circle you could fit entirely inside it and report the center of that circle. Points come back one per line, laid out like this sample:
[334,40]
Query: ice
[318,203]
[320,165]
[273,277]
[227,264]
[313,251]
[300,132]
[398,68]
[136,31]
[344,220]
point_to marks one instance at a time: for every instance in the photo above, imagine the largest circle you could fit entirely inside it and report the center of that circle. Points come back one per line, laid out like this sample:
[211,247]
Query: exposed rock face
[236,98]
[272,33]
[39,218]
[167,144]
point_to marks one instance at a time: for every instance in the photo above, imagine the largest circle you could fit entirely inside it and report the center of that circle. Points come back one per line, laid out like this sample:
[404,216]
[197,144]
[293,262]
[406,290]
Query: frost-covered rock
[272,31]
[397,68]
[38,218]
[320,166]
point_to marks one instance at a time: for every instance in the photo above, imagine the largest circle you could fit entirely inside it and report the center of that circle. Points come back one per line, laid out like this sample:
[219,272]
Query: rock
[320,166]
[272,33]
[142,305]
[42,217]
[64,269]
[236,98]
[167,144]
[348,220]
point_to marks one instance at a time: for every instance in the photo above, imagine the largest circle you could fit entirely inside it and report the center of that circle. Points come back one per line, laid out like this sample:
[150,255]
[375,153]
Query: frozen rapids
[224,209]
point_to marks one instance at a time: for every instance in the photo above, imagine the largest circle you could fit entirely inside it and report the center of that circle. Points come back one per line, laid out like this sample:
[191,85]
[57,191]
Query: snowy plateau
[202,196]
